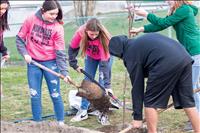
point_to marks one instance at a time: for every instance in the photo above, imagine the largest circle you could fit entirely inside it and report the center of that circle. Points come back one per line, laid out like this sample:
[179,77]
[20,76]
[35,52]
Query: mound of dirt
[41,127]
[119,128]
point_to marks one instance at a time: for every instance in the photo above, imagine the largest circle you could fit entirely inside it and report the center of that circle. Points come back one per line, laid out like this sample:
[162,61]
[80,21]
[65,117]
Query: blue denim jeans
[105,75]
[91,66]
[196,80]
[35,76]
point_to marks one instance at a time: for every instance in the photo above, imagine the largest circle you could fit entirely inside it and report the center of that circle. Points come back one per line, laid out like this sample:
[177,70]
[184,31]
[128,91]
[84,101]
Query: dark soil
[119,127]
[101,104]
[40,127]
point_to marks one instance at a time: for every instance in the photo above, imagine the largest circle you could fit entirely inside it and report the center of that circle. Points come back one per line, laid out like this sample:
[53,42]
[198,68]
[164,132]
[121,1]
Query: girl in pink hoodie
[41,38]
[92,38]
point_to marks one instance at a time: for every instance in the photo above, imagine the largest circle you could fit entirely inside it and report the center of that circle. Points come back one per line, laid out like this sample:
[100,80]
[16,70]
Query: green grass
[16,101]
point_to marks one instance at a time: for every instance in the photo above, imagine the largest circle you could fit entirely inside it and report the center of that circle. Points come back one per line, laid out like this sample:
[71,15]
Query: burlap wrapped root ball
[90,91]
[95,95]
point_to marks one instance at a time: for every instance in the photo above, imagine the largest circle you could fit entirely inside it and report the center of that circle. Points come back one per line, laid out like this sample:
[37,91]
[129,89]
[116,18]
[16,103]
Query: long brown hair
[4,18]
[104,36]
[178,3]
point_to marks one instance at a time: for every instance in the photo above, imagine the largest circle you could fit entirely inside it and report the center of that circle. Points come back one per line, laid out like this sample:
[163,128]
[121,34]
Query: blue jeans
[102,79]
[35,76]
[196,80]
[104,74]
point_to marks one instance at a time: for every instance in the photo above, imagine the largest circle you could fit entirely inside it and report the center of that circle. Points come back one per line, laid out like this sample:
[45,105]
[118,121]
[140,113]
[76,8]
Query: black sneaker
[71,112]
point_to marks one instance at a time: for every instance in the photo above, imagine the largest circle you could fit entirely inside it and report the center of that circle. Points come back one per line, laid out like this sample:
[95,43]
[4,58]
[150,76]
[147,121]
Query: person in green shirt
[181,16]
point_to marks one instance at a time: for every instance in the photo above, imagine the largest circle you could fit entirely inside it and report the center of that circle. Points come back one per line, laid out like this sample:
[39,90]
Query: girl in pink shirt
[41,38]
[93,39]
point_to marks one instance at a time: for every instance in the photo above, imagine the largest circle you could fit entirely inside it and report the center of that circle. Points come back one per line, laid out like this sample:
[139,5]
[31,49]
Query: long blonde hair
[178,3]
[104,36]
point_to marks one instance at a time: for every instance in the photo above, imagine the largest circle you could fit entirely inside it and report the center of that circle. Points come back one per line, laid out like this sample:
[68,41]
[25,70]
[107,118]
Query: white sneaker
[80,115]
[95,113]
[61,123]
[103,119]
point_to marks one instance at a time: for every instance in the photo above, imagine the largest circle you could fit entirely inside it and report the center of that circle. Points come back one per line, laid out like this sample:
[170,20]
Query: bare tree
[90,6]
[83,9]
[78,11]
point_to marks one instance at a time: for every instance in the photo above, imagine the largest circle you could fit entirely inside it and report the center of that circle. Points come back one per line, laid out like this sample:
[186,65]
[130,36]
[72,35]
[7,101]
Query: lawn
[16,103]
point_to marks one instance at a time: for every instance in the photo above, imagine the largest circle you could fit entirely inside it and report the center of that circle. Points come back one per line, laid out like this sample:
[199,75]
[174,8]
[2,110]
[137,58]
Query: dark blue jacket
[151,55]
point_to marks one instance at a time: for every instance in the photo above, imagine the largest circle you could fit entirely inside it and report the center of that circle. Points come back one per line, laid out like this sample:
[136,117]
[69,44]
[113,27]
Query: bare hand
[137,123]
[79,69]
[67,79]
[170,11]
[135,31]
[5,57]
[139,12]
[28,58]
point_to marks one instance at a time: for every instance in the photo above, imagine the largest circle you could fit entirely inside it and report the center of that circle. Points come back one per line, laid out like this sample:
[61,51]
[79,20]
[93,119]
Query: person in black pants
[168,67]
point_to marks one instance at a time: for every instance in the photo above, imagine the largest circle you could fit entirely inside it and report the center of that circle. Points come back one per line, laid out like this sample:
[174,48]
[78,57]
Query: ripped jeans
[35,76]
[91,66]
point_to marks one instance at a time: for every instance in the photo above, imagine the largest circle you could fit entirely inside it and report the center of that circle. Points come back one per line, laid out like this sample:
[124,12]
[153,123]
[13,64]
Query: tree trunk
[81,7]
[90,6]
[78,11]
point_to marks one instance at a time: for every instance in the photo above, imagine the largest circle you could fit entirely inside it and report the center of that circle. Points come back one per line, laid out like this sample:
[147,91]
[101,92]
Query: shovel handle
[126,129]
[54,73]
[93,80]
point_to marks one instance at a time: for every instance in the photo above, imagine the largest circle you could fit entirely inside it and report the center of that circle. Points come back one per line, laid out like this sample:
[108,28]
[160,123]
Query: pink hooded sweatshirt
[43,41]
[95,49]
[42,38]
